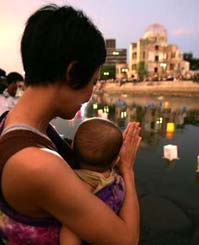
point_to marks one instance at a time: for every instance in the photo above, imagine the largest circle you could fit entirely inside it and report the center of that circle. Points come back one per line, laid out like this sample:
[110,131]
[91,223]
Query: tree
[142,72]
[194,62]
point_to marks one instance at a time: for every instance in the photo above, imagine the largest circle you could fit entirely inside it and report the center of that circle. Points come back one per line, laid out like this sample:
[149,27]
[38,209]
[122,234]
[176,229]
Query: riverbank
[170,88]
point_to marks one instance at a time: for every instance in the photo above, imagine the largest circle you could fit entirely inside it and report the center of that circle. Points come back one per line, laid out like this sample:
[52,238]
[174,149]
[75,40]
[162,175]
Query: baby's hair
[97,143]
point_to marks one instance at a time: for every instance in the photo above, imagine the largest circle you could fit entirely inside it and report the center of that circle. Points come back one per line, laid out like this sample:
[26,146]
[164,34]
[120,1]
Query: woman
[62,52]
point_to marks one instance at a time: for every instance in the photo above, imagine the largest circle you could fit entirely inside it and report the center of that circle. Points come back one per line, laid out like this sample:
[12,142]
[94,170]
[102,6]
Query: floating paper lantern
[95,106]
[106,109]
[166,104]
[123,114]
[170,127]
[171,152]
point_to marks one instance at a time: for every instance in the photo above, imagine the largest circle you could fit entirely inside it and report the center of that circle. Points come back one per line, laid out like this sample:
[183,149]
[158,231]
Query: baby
[96,145]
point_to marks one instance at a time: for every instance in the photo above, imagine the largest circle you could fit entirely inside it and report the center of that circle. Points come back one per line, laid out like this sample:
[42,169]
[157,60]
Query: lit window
[116,53]
[124,70]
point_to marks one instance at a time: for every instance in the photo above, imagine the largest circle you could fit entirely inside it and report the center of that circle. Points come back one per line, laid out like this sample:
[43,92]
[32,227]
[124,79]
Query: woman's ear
[70,71]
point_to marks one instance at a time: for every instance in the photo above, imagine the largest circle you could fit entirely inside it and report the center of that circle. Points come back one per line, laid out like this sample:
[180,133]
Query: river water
[164,120]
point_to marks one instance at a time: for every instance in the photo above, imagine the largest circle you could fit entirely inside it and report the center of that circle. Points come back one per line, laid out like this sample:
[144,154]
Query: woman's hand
[131,142]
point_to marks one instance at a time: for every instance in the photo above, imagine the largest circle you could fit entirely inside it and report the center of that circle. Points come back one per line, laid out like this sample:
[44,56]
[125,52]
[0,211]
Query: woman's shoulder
[31,174]
[36,163]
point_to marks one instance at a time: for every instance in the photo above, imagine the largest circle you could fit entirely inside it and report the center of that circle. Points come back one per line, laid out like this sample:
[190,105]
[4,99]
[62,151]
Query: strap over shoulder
[16,140]
[63,148]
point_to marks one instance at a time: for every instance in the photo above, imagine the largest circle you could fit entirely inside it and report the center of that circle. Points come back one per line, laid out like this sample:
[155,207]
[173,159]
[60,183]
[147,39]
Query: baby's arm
[68,237]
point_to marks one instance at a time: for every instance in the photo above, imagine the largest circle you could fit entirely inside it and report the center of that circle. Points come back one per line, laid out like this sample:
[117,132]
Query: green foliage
[196,79]
[194,62]
[141,70]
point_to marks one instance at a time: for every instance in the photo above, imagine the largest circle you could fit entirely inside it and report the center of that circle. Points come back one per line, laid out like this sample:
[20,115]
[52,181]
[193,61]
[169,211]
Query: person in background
[3,84]
[96,146]
[9,97]
[62,52]
[2,73]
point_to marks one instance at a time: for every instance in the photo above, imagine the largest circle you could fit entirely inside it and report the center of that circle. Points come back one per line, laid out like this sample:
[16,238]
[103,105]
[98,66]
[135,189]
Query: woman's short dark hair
[56,36]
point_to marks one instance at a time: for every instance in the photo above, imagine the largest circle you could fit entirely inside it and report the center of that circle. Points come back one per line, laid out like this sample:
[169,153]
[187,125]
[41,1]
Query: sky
[124,20]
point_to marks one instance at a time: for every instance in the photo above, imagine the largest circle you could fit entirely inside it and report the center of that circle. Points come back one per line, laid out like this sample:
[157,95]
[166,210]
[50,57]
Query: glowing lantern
[106,109]
[166,104]
[95,106]
[170,127]
[171,152]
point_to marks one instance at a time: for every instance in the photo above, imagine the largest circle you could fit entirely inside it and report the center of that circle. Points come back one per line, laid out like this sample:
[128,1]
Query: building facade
[114,55]
[121,72]
[154,58]
[110,43]
[115,66]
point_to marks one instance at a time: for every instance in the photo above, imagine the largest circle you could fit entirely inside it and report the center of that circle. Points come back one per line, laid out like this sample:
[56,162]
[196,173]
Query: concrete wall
[188,88]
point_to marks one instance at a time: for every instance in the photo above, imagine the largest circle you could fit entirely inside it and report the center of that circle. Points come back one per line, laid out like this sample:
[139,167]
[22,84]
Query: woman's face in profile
[78,97]
[88,89]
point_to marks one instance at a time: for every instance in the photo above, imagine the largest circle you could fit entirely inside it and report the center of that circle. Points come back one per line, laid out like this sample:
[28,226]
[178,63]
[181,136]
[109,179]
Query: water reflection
[157,118]
[169,164]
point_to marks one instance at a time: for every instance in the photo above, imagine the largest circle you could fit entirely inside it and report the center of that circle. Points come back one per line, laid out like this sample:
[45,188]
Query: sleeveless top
[16,228]
[19,229]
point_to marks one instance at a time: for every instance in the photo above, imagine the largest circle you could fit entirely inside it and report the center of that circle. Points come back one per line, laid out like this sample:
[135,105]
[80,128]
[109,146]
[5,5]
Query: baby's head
[97,143]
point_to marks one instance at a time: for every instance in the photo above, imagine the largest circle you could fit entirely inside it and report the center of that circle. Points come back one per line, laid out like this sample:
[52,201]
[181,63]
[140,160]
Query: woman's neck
[35,108]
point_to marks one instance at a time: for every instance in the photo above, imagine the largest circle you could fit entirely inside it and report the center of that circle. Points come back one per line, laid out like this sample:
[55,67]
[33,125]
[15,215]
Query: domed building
[156,31]
[151,57]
